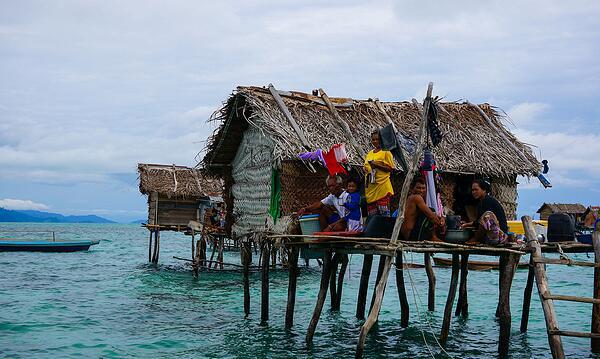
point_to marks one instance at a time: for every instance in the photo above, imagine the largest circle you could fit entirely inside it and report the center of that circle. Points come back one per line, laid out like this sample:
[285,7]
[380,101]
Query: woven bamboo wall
[505,191]
[251,188]
[300,187]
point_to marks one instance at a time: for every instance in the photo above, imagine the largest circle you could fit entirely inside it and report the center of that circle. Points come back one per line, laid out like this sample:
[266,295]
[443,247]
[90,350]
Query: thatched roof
[470,144]
[178,181]
[570,208]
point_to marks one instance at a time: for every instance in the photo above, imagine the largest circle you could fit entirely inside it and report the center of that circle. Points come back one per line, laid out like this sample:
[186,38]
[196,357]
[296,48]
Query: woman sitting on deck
[378,186]
[490,226]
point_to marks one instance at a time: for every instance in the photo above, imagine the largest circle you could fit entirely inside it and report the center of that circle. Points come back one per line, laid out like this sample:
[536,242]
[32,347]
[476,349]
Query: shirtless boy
[419,220]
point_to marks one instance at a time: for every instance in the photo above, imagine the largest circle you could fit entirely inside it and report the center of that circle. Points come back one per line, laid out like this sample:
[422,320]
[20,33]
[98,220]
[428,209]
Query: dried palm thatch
[470,145]
[178,181]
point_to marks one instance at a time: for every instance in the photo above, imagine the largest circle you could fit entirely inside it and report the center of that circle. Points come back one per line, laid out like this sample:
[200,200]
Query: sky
[89,89]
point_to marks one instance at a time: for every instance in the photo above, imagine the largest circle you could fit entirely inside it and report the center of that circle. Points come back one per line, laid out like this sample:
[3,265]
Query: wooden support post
[333,280]
[325,275]
[293,280]
[595,342]
[193,244]
[404,309]
[462,306]
[246,251]
[364,286]
[431,280]
[214,250]
[450,299]
[340,282]
[150,247]
[156,246]
[380,269]
[264,300]
[504,316]
[542,285]
[527,296]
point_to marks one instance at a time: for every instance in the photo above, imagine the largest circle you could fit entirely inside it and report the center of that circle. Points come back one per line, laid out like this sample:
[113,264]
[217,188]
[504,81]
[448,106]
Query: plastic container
[561,228]
[309,224]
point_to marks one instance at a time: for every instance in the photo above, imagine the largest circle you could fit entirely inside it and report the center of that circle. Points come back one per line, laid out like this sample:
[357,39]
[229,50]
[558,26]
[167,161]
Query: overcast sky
[90,88]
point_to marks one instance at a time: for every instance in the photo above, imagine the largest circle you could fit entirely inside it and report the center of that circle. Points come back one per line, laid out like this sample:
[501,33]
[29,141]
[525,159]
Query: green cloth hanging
[275,200]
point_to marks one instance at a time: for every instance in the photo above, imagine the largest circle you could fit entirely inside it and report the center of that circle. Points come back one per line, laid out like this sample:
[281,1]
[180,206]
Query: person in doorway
[490,225]
[419,220]
[378,187]
[331,208]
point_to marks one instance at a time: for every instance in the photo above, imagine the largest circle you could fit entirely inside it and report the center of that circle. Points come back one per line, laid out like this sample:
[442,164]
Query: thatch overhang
[570,208]
[470,144]
[178,181]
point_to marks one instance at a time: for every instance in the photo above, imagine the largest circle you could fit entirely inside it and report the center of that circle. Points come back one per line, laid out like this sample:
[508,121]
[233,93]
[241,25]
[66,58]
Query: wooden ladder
[537,269]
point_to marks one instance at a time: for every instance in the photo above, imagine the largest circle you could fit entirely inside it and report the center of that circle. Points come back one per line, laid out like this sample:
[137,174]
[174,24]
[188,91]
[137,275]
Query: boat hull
[45,246]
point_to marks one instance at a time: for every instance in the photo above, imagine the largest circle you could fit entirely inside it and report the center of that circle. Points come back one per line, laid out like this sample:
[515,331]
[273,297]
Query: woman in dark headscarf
[490,226]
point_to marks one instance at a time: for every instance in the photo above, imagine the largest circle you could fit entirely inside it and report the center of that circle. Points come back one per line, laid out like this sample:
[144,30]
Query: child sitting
[352,205]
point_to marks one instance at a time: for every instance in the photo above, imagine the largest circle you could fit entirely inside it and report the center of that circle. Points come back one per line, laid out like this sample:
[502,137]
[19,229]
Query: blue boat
[23,245]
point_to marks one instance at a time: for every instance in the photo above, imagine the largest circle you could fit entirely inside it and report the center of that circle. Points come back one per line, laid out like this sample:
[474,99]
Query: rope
[415,297]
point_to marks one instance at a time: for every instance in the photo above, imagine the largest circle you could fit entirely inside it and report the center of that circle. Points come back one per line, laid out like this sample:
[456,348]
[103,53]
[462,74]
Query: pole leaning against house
[380,288]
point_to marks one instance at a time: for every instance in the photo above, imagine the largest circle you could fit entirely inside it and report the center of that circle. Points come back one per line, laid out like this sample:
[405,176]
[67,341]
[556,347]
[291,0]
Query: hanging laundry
[313,156]
[428,169]
[340,152]
[333,166]
[389,142]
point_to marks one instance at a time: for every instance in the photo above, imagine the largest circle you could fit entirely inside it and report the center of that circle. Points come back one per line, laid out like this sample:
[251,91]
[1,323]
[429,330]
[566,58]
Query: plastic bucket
[309,224]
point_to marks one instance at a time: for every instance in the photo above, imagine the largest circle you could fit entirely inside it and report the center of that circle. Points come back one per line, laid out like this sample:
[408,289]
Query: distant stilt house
[176,194]
[575,210]
[262,131]
[177,199]
[590,216]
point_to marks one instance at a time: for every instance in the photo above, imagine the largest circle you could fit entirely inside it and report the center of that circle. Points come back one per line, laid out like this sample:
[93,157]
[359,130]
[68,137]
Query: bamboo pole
[595,342]
[343,124]
[450,299]
[542,285]
[380,289]
[380,269]
[527,296]
[404,308]
[431,282]
[325,275]
[364,286]
[289,117]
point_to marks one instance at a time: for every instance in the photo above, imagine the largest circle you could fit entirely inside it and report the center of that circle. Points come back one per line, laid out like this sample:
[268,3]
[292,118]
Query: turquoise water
[109,302]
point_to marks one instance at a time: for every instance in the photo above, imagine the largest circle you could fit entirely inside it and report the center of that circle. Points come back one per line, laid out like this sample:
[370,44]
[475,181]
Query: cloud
[20,204]
[527,113]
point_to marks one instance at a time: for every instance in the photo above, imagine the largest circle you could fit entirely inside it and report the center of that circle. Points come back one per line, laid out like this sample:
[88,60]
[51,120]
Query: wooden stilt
[542,285]
[214,251]
[404,310]
[340,282]
[380,270]
[450,299]
[325,276]
[501,268]
[333,279]
[595,342]
[264,303]
[293,280]
[156,246]
[527,297]
[504,317]
[193,244]
[246,251]
[431,280]
[150,247]
[364,286]
[462,306]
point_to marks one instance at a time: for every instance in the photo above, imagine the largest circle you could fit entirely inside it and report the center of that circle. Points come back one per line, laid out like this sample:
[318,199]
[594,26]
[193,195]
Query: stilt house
[262,130]
[177,194]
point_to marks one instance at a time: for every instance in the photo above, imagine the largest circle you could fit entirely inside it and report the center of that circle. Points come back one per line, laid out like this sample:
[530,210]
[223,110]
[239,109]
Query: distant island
[8,215]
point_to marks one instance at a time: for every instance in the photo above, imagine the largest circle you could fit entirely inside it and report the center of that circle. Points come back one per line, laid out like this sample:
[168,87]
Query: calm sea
[110,303]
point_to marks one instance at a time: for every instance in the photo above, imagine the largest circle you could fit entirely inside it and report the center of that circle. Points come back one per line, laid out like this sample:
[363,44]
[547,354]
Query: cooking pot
[453,222]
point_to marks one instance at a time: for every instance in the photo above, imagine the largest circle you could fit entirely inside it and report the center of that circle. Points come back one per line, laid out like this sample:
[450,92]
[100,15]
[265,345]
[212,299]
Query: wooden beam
[343,124]
[571,298]
[569,262]
[575,334]
[450,299]
[542,284]
[290,118]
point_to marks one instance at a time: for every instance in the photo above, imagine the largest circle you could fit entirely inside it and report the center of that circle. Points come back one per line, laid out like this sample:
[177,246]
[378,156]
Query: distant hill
[139,221]
[8,215]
